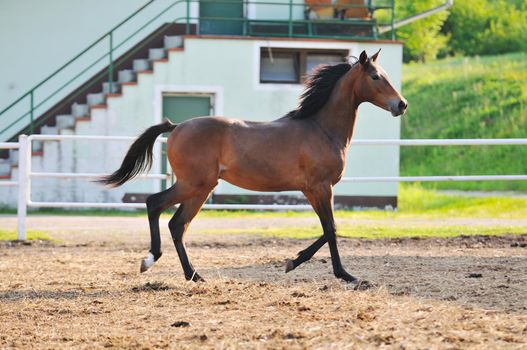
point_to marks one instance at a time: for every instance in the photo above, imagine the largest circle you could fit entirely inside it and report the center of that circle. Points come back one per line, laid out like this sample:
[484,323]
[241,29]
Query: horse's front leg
[305,254]
[320,198]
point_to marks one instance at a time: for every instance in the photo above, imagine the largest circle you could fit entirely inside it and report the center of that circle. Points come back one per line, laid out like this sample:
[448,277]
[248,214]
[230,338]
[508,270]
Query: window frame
[301,60]
[264,53]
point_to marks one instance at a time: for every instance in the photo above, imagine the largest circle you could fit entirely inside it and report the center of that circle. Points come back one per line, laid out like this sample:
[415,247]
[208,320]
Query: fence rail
[25,174]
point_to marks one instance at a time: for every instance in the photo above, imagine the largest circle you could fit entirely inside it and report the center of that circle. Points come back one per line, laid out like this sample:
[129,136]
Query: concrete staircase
[82,112]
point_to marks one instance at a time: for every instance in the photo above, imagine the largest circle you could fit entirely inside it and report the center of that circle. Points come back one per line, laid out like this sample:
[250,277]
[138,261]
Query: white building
[242,60]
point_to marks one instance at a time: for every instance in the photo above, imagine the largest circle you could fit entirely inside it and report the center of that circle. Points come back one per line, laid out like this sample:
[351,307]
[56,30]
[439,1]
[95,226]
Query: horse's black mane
[319,87]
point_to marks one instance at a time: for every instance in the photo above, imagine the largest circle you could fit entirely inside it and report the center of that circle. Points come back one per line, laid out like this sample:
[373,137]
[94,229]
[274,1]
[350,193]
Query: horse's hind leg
[179,224]
[155,205]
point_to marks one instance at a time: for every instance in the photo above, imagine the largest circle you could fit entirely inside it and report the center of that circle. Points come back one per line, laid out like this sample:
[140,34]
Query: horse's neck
[337,118]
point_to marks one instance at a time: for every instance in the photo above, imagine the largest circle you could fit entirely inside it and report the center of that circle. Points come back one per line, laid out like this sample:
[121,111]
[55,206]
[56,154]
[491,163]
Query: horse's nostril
[402,105]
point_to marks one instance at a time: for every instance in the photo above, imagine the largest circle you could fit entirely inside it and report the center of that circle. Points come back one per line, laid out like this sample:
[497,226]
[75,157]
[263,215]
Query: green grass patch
[377,231]
[416,204]
[31,235]
[479,97]
[414,201]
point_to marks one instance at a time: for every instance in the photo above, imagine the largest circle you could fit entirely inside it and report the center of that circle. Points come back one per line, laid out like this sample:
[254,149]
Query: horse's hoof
[346,277]
[195,278]
[147,262]
[363,285]
[289,265]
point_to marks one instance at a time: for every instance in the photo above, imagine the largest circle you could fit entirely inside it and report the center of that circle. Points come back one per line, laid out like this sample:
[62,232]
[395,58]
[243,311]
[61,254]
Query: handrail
[77,56]
[108,34]
[186,19]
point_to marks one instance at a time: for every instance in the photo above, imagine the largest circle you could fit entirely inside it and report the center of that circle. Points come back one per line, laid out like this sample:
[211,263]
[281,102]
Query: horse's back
[262,153]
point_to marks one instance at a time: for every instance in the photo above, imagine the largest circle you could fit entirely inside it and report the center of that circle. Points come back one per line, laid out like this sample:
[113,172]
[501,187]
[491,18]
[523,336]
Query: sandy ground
[86,291]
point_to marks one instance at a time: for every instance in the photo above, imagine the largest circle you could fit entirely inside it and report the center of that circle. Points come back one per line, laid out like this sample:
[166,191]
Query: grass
[416,204]
[480,97]
[414,201]
[377,231]
[31,235]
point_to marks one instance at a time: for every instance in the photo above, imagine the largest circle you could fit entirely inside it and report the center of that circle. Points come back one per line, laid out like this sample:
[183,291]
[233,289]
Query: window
[290,66]
[280,67]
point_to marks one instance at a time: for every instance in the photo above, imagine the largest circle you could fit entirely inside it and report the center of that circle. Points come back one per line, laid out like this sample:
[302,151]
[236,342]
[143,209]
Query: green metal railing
[246,23]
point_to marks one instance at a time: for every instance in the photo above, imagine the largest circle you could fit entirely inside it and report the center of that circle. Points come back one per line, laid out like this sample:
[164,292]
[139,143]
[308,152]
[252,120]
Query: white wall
[226,65]
[37,37]
[229,70]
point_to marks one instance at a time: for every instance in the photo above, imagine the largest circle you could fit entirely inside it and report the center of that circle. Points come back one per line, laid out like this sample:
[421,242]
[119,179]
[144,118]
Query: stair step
[156,54]
[36,146]
[65,121]
[67,132]
[95,99]
[13,156]
[14,172]
[49,130]
[80,110]
[141,65]
[125,76]
[5,167]
[116,88]
[172,42]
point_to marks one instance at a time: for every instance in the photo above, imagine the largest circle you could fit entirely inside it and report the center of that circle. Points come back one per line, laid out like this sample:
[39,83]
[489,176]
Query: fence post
[24,156]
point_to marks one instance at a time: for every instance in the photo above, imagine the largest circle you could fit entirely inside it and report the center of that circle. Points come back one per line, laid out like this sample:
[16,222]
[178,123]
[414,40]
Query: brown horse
[304,150]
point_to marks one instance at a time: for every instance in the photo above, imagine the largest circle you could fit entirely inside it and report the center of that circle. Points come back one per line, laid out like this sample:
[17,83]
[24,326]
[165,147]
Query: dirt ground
[86,291]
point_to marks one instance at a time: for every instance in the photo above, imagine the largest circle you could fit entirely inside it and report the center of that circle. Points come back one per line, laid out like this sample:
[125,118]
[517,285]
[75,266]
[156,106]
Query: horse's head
[375,86]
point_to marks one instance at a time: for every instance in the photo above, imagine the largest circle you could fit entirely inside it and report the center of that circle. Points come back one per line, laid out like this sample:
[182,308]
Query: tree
[479,27]
[423,38]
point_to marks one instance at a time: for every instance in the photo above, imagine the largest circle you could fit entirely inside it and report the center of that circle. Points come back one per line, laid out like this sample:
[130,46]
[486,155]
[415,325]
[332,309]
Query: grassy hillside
[481,97]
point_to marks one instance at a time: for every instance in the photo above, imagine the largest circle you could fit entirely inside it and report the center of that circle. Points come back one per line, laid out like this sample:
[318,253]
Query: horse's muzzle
[398,108]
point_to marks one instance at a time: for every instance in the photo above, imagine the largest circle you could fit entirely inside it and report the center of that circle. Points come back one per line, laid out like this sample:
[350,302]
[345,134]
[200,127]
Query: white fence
[25,174]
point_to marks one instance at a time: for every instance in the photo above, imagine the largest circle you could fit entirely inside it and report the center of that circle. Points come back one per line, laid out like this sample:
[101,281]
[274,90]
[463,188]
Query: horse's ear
[374,57]
[363,58]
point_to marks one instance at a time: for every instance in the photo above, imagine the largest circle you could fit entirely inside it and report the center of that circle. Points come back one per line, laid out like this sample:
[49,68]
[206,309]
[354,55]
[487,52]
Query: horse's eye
[375,77]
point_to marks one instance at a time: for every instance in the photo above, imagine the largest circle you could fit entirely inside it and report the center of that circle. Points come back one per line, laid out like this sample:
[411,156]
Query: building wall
[235,67]
[229,70]
[38,37]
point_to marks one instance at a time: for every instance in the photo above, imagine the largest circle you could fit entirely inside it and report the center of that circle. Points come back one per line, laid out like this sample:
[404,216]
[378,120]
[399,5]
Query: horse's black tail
[139,156]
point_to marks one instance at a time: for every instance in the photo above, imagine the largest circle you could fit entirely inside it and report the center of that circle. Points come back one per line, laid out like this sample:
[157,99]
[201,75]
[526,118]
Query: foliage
[470,27]
[423,39]
[479,27]
[467,98]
